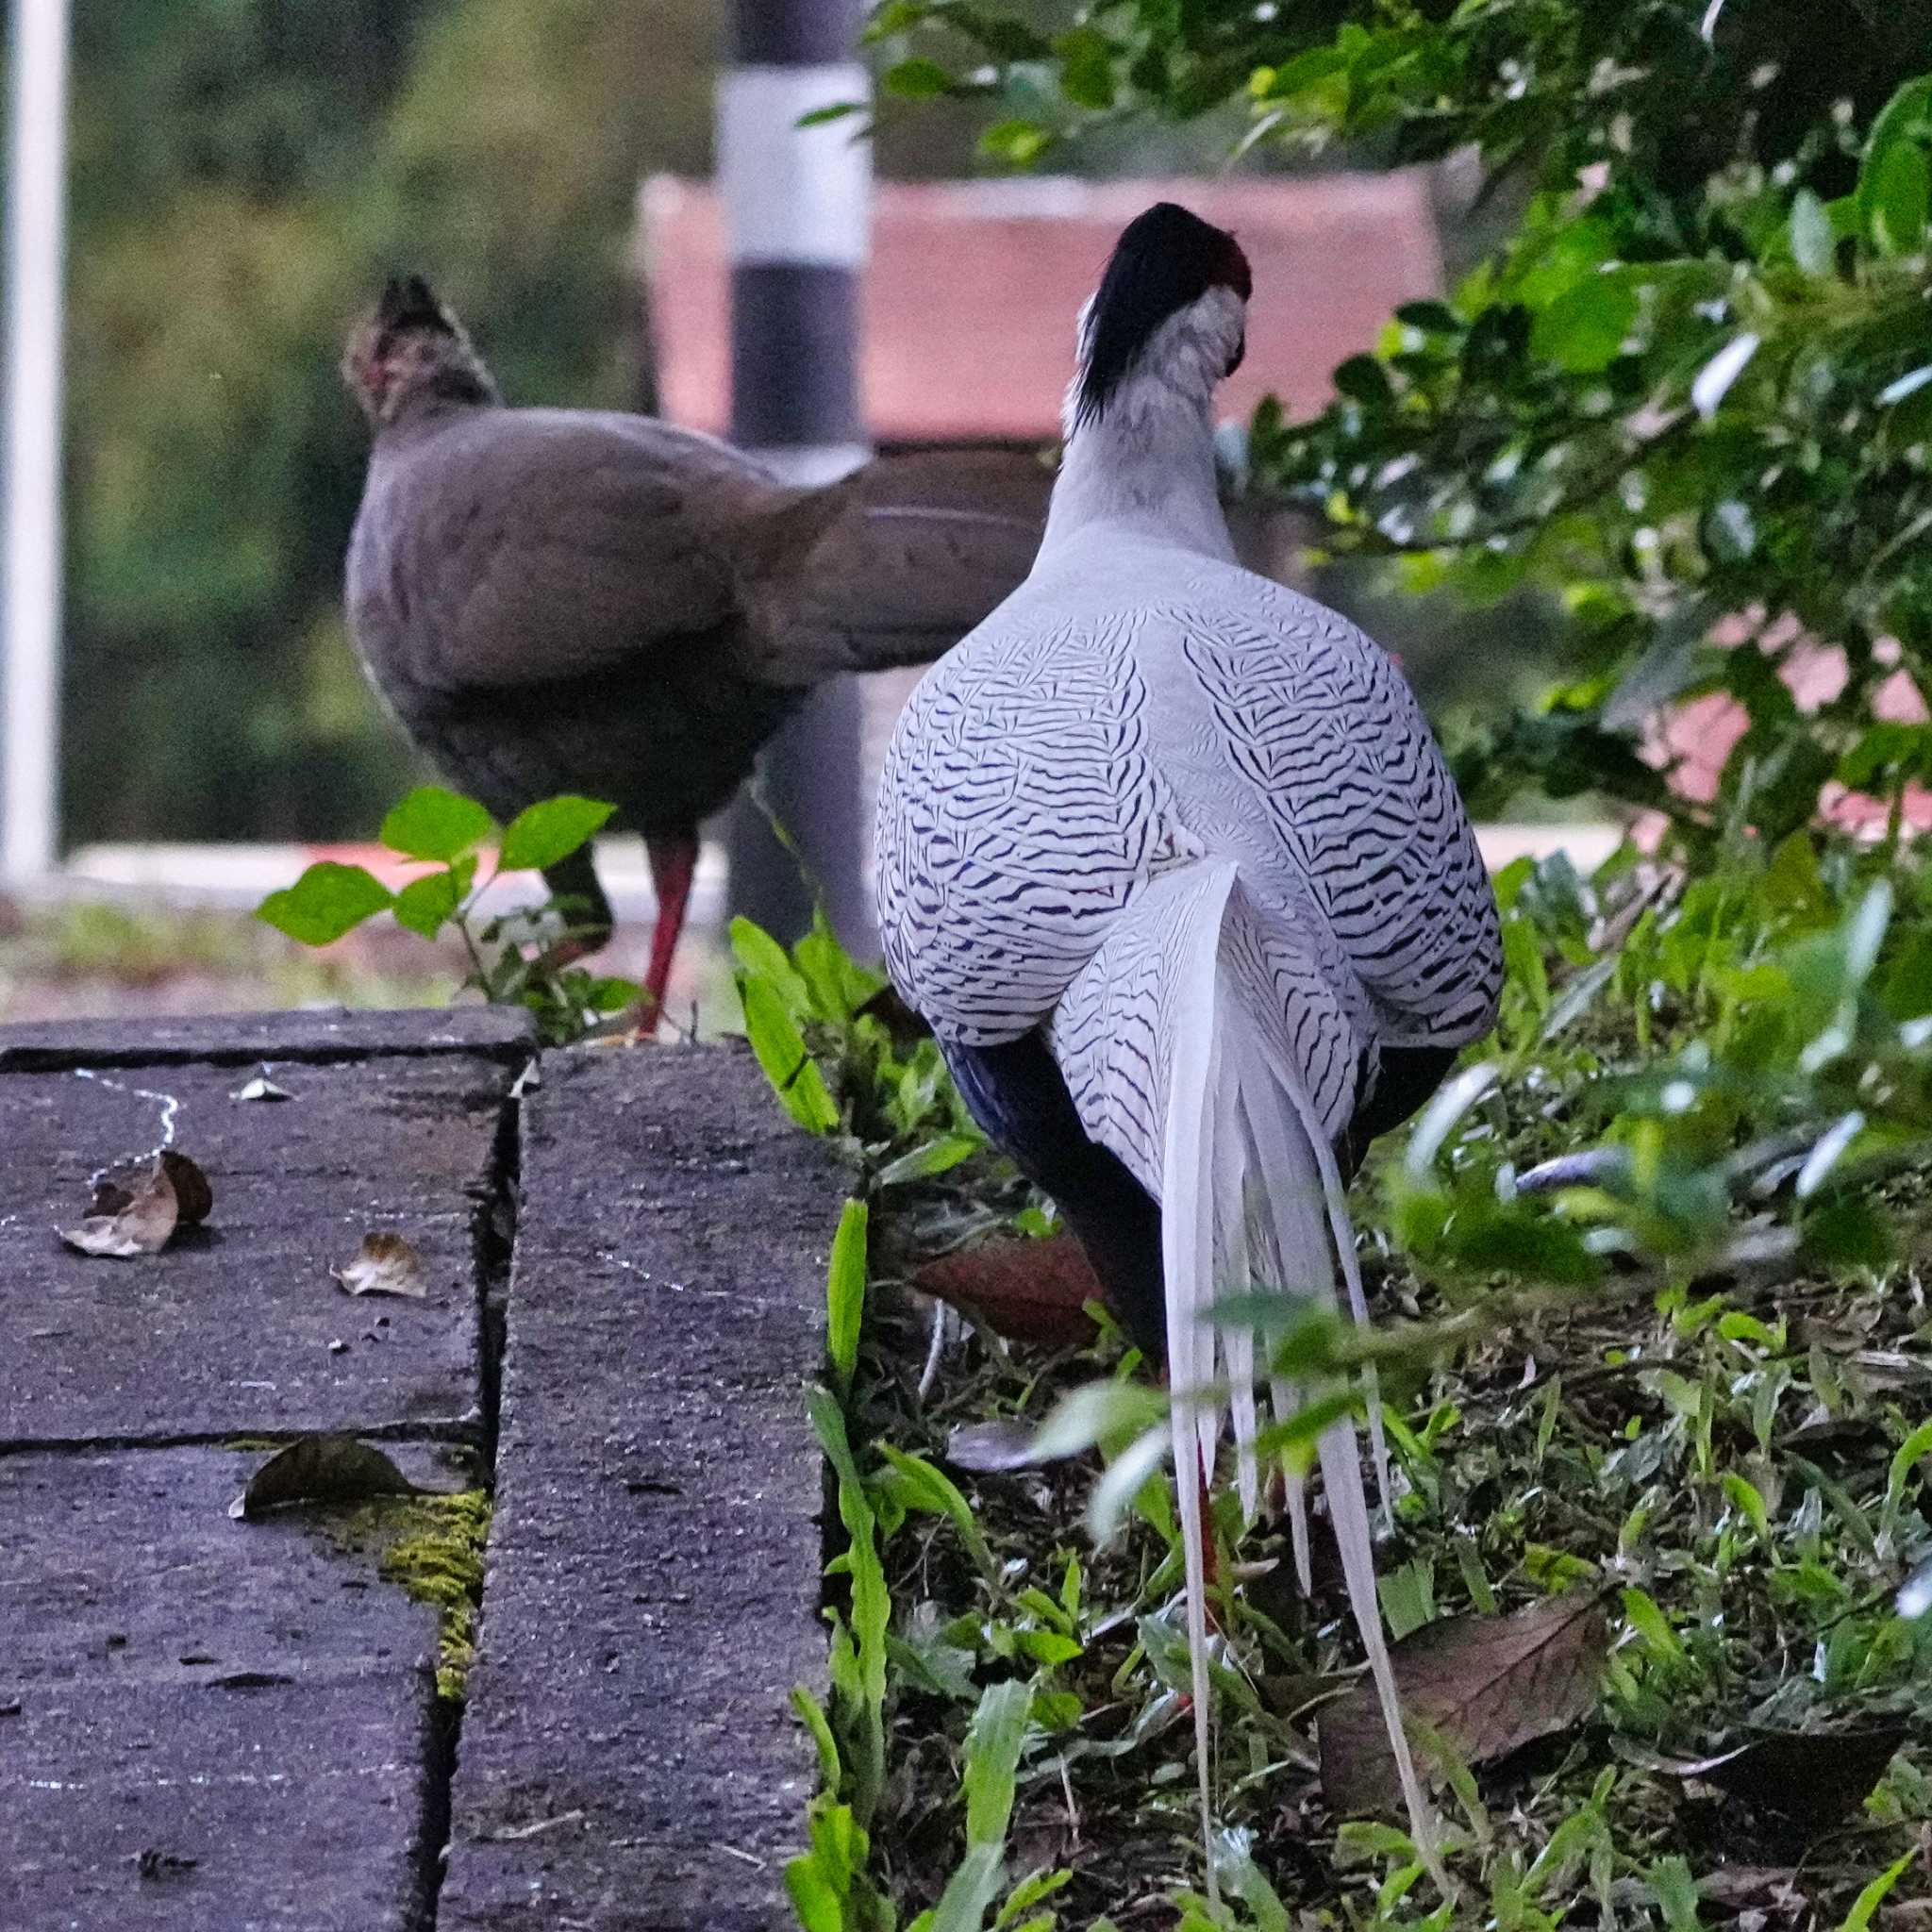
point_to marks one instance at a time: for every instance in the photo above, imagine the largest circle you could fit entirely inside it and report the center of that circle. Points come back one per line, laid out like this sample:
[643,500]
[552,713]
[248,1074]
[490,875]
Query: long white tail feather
[1348,1512]
[1298,1526]
[1236,1274]
[1187,1238]
[1333,1200]
[1239,1138]
[1292,1201]
[1359,1306]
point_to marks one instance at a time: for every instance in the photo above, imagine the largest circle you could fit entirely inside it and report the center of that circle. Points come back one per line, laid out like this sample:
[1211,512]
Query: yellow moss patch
[432,1546]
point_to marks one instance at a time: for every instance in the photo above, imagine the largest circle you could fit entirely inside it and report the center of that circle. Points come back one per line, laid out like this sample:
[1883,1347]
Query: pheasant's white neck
[1144,464]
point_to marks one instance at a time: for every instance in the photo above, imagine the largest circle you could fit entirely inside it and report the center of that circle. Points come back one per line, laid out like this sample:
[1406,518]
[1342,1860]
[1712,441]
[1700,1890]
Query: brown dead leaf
[1024,1289]
[142,1220]
[1810,1777]
[1738,1887]
[321,1469]
[115,1187]
[1487,1685]
[996,1448]
[384,1264]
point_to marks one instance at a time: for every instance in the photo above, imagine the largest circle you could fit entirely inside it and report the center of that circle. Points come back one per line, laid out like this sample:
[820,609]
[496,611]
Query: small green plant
[517,959]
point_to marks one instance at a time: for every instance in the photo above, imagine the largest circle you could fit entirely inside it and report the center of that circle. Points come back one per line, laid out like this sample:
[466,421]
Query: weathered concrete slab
[628,1759]
[179,1685]
[312,1034]
[231,1329]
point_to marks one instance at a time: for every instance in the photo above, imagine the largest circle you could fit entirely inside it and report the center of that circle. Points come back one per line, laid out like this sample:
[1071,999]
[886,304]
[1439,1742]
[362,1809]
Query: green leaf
[1365,379]
[1641,1613]
[992,1754]
[1016,142]
[969,1894]
[845,1293]
[1860,1918]
[1911,1453]
[329,900]
[763,957]
[432,822]
[425,906]
[815,1900]
[1891,192]
[1030,1891]
[819,117]
[780,1049]
[1002,35]
[935,1492]
[611,995]
[1232,1856]
[916,80]
[1896,193]
[1676,1894]
[937,1156]
[544,833]
[892,17]
[812,1716]
[1114,1494]
[1097,1412]
[1745,1497]
[1086,57]
[1583,330]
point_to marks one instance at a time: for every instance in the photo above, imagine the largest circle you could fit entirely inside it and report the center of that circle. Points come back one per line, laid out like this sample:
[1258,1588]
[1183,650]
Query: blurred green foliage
[1693,378]
[244,174]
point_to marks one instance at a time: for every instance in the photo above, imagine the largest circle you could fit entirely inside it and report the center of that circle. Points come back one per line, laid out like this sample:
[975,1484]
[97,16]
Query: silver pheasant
[1170,861]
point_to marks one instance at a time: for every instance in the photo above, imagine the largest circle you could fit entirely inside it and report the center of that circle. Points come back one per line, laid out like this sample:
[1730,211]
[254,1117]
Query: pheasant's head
[1170,315]
[409,351]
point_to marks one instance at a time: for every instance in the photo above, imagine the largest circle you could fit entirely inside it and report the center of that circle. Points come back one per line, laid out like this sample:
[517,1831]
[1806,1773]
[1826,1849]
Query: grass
[1694,1386]
[84,957]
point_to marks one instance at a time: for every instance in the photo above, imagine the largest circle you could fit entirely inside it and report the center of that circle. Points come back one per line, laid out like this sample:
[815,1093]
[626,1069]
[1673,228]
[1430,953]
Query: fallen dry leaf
[321,1469]
[994,1448]
[1024,1289]
[260,1088]
[384,1264]
[140,1220]
[1736,1888]
[1810,1777]
[115,1187]
[1487,1685]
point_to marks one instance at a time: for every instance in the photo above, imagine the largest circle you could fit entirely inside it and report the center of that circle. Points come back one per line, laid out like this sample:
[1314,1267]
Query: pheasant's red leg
[1211,1548]
[673,862]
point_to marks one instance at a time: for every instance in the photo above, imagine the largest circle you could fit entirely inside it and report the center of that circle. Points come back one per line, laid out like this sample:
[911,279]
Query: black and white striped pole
[797,212]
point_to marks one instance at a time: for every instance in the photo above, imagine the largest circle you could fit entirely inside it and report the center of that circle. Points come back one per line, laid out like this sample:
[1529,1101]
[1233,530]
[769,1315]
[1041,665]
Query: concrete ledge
[240,1708]
[231,1329]
[327,1033]
[628,1758]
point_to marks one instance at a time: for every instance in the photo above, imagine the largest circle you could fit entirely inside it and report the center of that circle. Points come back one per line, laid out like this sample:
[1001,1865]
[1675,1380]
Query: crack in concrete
[494,1237]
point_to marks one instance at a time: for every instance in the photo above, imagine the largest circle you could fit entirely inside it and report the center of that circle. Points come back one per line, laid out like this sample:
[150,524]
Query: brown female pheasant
[576,600]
